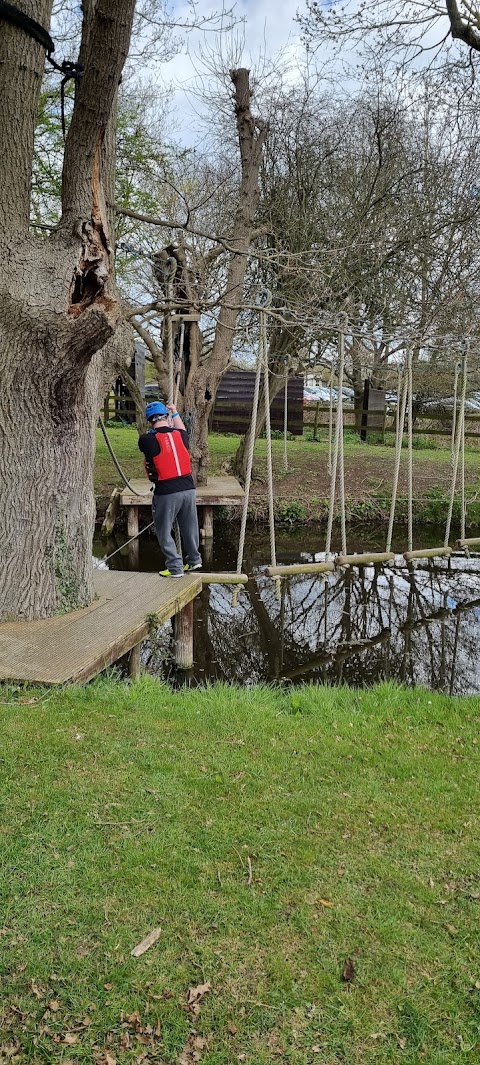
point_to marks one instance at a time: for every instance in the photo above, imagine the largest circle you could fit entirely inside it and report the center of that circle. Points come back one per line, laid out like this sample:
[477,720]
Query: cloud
[268,29]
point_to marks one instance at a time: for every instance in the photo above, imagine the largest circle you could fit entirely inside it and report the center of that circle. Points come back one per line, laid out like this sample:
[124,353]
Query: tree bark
[204,377]
[58,309]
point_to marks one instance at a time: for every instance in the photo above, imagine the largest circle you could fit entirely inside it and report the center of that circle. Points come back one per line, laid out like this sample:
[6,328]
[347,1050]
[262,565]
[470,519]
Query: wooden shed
[233,406]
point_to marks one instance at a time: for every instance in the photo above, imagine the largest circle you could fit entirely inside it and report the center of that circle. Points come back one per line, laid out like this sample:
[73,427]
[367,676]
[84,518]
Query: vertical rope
[341,463]
[458,443]
[454,412]
[180,362]
[336,446]
[268,434]
[330,424]
[249,466]
[170,270]
[399,393]
[169,342]
[285,419]
[410,450]
[400,426]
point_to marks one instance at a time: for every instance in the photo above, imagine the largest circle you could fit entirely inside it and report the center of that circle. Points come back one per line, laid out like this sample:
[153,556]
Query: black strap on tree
[69,70]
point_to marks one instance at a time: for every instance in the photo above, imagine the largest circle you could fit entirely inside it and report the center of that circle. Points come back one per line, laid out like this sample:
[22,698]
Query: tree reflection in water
[417,626]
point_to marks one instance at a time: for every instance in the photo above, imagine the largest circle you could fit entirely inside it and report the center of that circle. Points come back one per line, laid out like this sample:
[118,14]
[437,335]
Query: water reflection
[418,626]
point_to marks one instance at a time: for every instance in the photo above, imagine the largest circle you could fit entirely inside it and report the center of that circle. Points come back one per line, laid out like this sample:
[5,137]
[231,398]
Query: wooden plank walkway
[79,645]
[217,492]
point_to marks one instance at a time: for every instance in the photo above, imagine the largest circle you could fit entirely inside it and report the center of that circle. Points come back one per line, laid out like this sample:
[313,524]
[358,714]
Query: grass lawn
[271,836]
[302,492]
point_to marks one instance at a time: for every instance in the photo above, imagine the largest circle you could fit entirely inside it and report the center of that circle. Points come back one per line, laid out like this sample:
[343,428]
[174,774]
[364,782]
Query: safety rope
[117,464]
[399,430]
[459,437]
[336,448]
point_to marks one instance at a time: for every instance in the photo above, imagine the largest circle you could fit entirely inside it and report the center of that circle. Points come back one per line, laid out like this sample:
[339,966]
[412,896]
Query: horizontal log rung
[223,578]
[430,552]
[365,559]
[470,541]
[295,570]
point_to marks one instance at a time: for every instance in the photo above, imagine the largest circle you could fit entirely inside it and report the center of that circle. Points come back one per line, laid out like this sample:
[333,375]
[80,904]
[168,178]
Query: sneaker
[189,567]
[166,573]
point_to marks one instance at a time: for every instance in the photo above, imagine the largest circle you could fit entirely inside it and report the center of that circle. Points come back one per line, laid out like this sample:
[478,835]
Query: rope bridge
[336,465]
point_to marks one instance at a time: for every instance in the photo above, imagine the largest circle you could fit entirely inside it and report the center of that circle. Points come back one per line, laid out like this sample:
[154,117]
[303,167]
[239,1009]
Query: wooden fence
[424,424]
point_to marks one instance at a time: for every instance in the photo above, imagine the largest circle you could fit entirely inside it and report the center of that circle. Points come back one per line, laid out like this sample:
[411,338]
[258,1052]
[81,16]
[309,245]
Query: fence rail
[424,423]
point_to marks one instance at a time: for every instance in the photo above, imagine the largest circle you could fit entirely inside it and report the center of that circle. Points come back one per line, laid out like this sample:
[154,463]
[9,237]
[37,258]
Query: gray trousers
[179,506]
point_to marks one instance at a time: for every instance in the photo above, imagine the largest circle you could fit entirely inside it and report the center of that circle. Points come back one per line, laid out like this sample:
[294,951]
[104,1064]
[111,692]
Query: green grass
[126,807]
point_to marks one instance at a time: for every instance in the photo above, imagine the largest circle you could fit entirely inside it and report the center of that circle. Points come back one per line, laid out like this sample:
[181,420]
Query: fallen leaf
[70,1039]
[86,1021]
[108,987]
[197,993]
[146,943]
[325,902]
[54,1006]
[193,1050]
[348,971]
[37,991]
[232,1029]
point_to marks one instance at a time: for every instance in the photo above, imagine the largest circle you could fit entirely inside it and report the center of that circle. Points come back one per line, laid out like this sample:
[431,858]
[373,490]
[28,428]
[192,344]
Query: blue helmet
[156,410]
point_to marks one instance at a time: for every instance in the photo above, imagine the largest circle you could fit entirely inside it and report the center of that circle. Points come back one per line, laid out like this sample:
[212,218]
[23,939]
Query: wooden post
[132,521]
[207,523]
[315,427]
[134,663]
[184,637]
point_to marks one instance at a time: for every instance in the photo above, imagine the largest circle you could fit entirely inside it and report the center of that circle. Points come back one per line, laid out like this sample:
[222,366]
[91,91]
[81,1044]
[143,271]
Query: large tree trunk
[58,308]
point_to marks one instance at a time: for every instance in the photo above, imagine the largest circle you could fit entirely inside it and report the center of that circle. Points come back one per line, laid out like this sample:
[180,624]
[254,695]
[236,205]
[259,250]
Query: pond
[418,626]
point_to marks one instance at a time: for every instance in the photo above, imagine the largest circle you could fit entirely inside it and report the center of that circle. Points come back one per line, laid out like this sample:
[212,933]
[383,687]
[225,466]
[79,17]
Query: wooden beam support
[430,552]
[207,522]
[184,637]
[293,571]
[132,521]
[134,662]
[365,559]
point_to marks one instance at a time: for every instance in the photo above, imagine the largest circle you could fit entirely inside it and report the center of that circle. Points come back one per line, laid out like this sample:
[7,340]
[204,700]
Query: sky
[268,28]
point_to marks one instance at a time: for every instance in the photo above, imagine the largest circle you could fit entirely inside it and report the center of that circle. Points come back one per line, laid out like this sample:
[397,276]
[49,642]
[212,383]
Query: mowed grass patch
[368,472]
[271,836]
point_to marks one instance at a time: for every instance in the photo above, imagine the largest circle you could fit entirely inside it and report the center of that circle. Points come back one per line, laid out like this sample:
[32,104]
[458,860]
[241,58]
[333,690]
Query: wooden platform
[217,492]
[78,646]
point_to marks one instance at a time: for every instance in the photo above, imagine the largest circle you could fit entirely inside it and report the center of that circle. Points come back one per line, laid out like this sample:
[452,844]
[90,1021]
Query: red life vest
[173,459]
